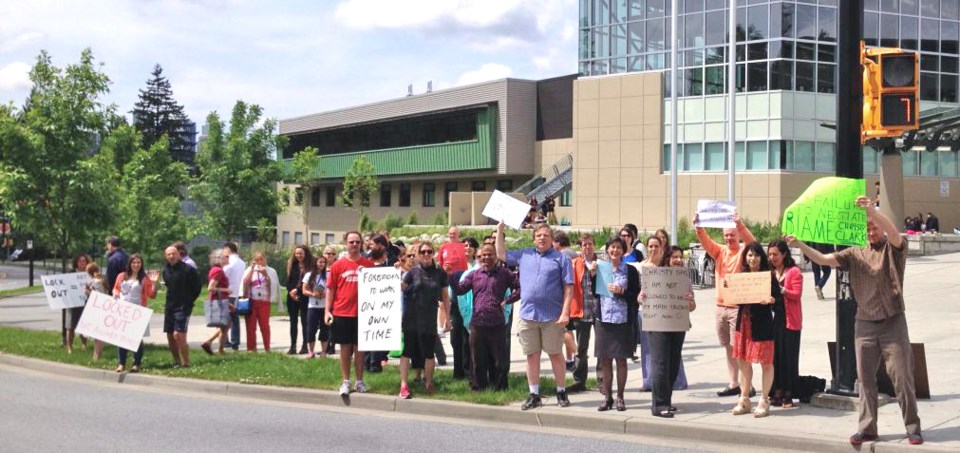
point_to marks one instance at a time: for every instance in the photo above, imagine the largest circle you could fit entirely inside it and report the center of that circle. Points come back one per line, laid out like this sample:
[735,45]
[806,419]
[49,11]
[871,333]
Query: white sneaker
[360,387]
[345,388]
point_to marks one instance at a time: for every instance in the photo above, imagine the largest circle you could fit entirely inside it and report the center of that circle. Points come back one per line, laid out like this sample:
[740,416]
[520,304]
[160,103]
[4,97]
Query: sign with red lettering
[114,321]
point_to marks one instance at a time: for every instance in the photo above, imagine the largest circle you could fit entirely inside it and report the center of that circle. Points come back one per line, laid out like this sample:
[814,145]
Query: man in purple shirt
[488,325]
[546,280]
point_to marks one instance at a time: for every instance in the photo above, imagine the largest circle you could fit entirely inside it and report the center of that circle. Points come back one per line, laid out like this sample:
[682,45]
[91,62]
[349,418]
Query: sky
[292,58]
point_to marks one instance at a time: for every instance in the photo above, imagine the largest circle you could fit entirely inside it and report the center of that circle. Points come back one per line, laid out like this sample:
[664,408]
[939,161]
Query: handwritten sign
[665,308]
[65,290]
[114,321]
[746,288]
[716,214]
[380,312]
[506,209]
[827,213]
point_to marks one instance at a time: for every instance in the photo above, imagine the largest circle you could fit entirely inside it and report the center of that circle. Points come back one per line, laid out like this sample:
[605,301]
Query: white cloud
[15,77]
[19,41]
[489,71]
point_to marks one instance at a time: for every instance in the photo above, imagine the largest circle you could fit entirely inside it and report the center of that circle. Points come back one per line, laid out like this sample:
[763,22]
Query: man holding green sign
[825,213]
[880,333]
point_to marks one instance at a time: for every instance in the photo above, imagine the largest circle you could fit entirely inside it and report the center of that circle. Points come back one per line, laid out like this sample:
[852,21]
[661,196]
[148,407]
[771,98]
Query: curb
[511,415]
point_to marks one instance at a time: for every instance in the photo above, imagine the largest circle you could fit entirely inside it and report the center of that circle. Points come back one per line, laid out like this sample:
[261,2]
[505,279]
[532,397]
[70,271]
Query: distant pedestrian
[218,288]
[133,286]
[300,260]
[234,270]
[314,285]
[341,309]
[183,287]
[880,333]
[821,274]
[185,254]
[262,285]
[73,315]
[116,260]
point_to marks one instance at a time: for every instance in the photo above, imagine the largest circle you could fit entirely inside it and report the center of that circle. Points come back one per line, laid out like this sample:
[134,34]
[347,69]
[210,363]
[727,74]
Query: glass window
[889,31]
[826,160]
[618,65]
[871,29]
[929,91]
[715,55]
[780,75]
[386,195]
[949,37]
[826,78]
[909,33]
[285,239]
[636,63]
[637,41]
[741,24]
[314,238]
[828,24]
[757,156]
[948,164]
[655,36]
[757,51]
[806,51]
[827,53]
[478,186]
[715,79]
[786,49]
[657,8]
[805,76]
[298,196]
[786,152]
[716,4]
[585,13]
[566,198]
[598,67]
[930,8]
[716,32]
[871,5]
[665,158]
[740,156]
[928,163]
[429,194]
[586,46]
[950,9]
[693,30]
[757,78]
[693,82]
[757,22]
[601,41]
[870,160]
[909,163]
[298,237]
[315,197]
[331,196]
[929,36]
[636,10]
[773,161]
[692,57]
[601,13]
[807,22]
[929,62]
[715,157]
[909,6]
[619,8]
[693,157]
[505,185]
[888,6]
[786,24]
[692,6]
[619,40]
[447,188]
[948,64]
[803,156]
[948,88]
[404,201]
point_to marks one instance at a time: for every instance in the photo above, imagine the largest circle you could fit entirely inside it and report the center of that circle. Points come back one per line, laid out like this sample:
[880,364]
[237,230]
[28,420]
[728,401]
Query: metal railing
[552,172]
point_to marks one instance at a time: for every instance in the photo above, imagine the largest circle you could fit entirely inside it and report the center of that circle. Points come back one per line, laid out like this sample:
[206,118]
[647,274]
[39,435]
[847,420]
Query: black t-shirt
[424,290]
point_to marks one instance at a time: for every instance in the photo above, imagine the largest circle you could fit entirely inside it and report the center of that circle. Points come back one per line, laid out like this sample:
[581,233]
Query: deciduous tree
[359,186]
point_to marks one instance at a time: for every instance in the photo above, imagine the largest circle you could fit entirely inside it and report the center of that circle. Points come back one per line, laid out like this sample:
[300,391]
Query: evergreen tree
[156,114]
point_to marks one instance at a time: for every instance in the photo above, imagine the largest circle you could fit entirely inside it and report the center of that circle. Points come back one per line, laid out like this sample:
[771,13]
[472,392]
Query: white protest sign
[380,309]
[716,214]
[114,321]
[665,308]
[745,288]
[65,290]
[506,209]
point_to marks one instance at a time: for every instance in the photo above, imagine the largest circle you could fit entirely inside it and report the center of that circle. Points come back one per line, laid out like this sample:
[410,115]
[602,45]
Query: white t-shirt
[234,270]
[321,283]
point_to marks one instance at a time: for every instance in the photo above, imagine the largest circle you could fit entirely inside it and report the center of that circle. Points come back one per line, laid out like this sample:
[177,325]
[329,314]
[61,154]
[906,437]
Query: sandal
[135,369]
[742,407]
[788,403]
[621,406]
[663,414]
[763,408]
[119,368]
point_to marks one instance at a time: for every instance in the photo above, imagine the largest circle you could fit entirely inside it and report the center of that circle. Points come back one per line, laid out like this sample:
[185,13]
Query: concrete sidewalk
[932,292]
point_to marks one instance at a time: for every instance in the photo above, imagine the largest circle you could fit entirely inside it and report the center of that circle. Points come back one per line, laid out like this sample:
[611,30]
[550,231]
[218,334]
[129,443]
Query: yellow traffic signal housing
[890,92]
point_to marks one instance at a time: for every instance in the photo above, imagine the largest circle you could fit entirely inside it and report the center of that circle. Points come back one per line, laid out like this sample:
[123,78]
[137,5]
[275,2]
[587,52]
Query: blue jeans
[137,356]
[234,326]
[820,274]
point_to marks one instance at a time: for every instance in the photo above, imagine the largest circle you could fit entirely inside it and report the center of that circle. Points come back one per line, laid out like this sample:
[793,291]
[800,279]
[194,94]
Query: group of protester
[918,224]
[468,288]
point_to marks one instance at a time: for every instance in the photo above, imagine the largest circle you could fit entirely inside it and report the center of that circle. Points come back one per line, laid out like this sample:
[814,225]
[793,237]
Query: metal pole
[849,165]
[732,104]
[674,86]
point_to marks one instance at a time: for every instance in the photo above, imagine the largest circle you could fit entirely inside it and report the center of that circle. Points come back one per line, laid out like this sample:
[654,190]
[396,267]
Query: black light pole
[849,165]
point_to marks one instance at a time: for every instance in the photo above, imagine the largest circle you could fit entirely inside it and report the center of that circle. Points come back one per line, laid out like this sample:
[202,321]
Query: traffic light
[890,92]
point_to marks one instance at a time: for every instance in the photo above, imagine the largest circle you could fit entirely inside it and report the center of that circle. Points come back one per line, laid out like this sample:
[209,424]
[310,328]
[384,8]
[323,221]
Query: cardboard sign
[745,288]
[380,309]
[65,290]
[114,321]
[506,209]
[665,308]
[827,213]
[716,214]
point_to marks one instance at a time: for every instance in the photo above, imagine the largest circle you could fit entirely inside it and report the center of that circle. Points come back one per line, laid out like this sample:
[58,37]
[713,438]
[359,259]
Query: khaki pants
[885,342]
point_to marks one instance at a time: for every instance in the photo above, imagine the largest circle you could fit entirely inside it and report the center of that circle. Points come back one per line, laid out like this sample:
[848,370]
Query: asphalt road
[47,413]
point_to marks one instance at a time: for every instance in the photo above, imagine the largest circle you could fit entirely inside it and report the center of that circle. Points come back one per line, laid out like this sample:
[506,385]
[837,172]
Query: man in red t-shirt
[453,255]
[340,311]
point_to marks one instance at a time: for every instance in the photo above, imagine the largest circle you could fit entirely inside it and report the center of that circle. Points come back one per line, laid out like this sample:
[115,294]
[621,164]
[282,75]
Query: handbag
[243,306]
[217,312]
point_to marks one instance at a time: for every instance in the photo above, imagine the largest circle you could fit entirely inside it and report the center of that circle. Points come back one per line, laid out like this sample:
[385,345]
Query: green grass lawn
[275,369]
[156,304]
[21,291]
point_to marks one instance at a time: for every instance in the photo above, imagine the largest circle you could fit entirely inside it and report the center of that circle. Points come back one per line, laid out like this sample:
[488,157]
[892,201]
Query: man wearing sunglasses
[341,309]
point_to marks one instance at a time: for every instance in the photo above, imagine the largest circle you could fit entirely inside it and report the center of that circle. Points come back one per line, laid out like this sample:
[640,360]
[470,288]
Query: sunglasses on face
[353,242]
[426,252]
[412,256]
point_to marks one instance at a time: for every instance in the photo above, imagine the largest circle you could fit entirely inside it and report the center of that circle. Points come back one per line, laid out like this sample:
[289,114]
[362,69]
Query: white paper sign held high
[716,214]
[506,209]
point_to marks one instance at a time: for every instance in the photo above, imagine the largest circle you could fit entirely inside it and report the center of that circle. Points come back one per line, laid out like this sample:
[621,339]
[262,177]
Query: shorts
[726,323]
[73,317]
[177,320]
[418,347]
[540,336]
[572,325]
[344,330]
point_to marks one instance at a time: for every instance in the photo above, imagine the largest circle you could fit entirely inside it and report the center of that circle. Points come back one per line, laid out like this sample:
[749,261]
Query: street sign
[29,245]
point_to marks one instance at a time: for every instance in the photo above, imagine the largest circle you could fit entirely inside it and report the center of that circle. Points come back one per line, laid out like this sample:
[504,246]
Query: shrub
[390,222]
[440,219]
[412,220]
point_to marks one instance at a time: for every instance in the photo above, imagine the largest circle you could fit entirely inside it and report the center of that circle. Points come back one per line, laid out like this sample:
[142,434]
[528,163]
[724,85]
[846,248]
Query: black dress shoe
[576,388]
[292,350]
[303,349]
[663,414]
[729,391]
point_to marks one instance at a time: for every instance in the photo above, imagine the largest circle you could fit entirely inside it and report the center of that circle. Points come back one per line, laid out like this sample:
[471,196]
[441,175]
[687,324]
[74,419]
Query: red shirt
[454,254]
[342,279]
[216,273]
